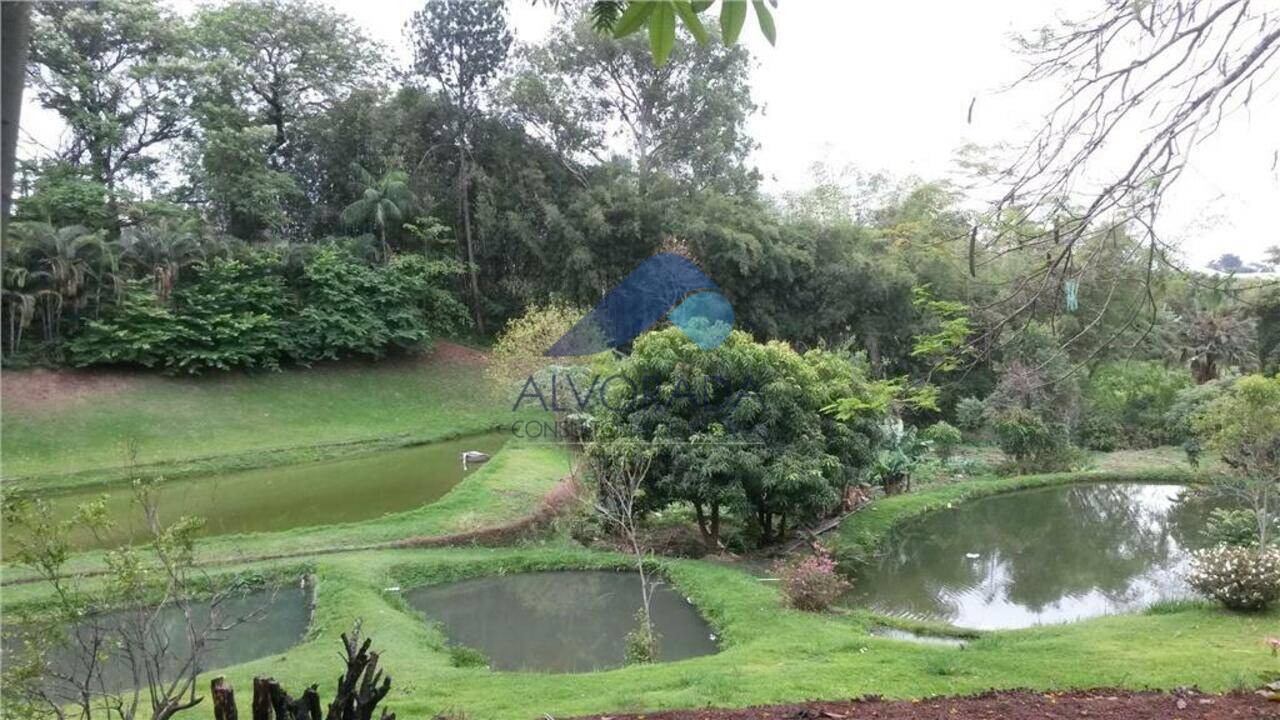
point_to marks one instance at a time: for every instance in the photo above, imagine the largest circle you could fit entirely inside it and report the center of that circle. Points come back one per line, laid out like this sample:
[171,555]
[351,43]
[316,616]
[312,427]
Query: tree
[161,673]
[278,61]
[114,71]
[386,202]
[1243,426]
[685,118]
[1137,87]
[460,45]
[740,427]
[15,29]
[619,468]
[1215,339]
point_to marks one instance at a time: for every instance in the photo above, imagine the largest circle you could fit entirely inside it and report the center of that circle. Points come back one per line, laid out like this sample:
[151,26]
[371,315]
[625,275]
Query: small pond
[289,496]
[277,620]
[1039,556]
[567,621]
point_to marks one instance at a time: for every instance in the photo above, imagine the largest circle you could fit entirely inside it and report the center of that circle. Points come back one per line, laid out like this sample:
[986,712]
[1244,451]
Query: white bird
[473,457]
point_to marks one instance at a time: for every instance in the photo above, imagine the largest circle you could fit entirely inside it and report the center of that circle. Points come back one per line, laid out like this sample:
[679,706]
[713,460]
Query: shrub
[641,644]
[241,313]
[1128,403]
[1032,444]
[810,583]
[944,437]
[1237,528]
[1239,578]
[1103,434]
[970,414]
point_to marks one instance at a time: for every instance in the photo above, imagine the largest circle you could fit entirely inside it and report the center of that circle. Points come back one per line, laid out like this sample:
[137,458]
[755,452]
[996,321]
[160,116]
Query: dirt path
[1010,705]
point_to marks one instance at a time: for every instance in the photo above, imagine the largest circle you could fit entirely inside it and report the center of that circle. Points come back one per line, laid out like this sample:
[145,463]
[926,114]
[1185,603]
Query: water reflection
[569,621]
[276,621]
[1040,556]
[278,498]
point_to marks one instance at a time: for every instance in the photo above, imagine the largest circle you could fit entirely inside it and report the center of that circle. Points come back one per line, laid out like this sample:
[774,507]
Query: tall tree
[285,59]
[113,70]
[1135,88]
[273,65]
[685,117]
[16,32]
[460,45]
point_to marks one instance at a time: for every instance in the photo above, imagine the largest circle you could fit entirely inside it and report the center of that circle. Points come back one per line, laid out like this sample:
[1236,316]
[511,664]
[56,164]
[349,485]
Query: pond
[289,496]
[1039,556]
[276,621]
[566,621]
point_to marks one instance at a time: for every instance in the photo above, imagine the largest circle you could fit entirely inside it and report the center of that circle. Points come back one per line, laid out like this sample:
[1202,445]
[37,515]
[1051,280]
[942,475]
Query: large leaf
[733,13]
[765,18]
[635,17]
[689,17]
[662,32]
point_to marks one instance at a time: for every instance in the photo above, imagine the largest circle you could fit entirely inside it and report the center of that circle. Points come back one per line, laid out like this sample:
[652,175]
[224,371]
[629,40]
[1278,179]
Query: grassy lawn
[769,653]
[187,426]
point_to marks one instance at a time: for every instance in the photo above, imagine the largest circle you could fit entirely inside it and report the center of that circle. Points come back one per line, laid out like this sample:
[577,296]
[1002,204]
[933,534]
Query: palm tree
[57,265]
[162,250]
[386,201]
[1213,339]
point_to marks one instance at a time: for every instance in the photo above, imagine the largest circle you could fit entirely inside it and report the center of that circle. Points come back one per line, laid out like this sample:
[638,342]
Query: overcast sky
[885,87]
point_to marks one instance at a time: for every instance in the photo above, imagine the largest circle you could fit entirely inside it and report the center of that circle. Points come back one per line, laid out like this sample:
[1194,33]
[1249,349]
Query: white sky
[885,87]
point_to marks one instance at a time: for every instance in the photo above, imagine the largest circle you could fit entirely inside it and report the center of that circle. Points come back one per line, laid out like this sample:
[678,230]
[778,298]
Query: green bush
[1128,403]
[943,437]
[350,308]
[971,414]
[241,312]
[1102,434]
[1030,443]
[1235,527]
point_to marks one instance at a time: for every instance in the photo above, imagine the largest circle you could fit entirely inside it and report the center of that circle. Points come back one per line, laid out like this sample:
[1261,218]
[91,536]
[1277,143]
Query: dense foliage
[740,427]
[245,313]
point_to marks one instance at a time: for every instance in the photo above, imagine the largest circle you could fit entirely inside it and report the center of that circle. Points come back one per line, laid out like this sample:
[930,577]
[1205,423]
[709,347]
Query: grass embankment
[770,654]
[67,428]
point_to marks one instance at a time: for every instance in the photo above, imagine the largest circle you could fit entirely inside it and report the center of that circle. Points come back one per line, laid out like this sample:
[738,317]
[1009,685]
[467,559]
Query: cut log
[224,700]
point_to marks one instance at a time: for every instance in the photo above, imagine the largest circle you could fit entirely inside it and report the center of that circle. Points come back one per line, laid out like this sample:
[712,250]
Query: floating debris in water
[972,556]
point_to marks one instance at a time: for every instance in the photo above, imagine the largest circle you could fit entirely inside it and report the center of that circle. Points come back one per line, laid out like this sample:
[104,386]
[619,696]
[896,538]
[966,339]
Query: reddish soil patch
[452,353]
[1010,705]
[561,498]
[51,390]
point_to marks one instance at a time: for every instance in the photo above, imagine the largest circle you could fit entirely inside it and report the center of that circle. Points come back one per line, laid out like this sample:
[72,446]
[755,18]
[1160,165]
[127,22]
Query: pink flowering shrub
[810,583]
[1241,578]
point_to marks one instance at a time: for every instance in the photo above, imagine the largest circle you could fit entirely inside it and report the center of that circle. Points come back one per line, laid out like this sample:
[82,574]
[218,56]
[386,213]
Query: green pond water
[1039,556]
[269,622]
[567,621]
[279,498]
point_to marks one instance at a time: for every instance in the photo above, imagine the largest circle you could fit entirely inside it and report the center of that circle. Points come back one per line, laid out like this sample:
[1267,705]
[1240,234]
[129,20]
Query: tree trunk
[464,210]
[16,39]
[224,700]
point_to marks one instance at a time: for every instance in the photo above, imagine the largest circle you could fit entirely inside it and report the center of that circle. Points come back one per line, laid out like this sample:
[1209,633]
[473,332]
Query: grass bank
[769,653]
[65,429]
